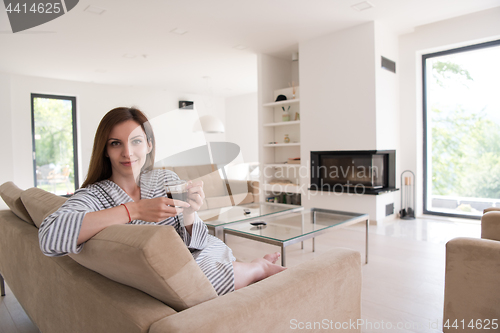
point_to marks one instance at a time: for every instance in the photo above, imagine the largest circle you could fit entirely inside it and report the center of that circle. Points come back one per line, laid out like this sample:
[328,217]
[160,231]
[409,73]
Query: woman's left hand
[196,196]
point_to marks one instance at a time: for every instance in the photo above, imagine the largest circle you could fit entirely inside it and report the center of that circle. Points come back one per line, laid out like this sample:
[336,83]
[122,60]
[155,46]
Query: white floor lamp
[210,124]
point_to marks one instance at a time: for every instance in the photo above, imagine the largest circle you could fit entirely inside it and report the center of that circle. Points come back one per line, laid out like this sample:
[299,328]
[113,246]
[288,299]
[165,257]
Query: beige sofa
[129,263]
[216,189]
[472,291]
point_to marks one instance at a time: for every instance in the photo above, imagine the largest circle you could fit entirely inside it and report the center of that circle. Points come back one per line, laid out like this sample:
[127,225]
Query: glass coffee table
[293,227]
[217,219]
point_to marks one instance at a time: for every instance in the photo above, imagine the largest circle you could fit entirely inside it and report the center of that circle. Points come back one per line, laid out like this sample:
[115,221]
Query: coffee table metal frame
[356,218]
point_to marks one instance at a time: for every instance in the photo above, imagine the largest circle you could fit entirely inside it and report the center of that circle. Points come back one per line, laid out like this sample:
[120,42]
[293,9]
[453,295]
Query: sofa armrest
[490,225]
[253,187]
[471,281]
[325,289]
[491,209]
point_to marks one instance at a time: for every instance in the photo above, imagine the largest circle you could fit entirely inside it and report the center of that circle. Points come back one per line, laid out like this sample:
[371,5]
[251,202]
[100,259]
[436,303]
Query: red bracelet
[129,218]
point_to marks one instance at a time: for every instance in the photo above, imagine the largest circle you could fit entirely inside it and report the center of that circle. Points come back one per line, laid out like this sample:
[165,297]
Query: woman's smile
[128,163]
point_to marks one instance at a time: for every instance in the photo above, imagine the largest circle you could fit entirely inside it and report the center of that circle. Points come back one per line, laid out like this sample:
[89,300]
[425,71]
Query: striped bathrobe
[58,233]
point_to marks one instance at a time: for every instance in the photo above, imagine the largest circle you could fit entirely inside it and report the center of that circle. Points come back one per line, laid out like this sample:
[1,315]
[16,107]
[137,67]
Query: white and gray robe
[59,232]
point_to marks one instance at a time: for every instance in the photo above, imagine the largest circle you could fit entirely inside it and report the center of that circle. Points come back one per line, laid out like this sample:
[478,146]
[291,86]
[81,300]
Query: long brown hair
[100,165]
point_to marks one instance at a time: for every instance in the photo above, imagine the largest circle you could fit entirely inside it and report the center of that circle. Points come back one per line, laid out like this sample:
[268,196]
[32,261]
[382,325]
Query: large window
[54,143]
[462,130]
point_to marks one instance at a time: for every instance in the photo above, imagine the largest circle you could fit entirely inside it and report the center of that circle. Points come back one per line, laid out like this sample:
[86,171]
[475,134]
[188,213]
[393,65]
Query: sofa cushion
[40,203]
[11,194]
[151,258]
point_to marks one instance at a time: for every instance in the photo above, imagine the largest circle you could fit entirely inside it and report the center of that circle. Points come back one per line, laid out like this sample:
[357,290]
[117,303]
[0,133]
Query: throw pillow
[151,258]
[11,194]
[40,203]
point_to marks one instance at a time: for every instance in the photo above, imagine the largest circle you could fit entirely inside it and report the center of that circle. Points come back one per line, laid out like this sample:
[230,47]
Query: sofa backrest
[216,188]
[213,185]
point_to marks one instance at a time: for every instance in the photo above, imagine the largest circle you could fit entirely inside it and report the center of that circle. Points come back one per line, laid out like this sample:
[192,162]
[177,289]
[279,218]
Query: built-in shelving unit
[282,165]
[283,123]
[277,188]
[281,103]
[280,180]
[292,144]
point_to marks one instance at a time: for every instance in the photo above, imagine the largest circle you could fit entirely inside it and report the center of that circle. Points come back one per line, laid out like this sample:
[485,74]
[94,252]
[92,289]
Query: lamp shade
[209,124]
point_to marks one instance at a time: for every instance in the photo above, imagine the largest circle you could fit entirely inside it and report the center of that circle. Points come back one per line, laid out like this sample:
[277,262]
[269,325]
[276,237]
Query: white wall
[242,125]
[387,108]
[337,75]
[6,167]
[349,103]
[93,101]
[461,31]
[386,88]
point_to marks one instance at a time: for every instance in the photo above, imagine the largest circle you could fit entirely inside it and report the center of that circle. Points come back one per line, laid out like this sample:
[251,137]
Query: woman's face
[127,148]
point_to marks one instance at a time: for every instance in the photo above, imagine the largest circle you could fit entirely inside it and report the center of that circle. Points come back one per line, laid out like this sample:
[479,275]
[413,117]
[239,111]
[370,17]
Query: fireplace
[358,171]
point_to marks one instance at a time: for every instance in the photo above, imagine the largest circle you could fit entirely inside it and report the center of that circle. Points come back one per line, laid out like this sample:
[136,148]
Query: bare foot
[247,273]
[273,269]
[267,268]
[272,257]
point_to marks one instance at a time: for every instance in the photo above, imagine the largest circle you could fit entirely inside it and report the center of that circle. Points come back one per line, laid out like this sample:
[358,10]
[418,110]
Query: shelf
[346,189]
[283,123]
[283,144]
[275,161]
[292,188]
[281,103]
[282,165]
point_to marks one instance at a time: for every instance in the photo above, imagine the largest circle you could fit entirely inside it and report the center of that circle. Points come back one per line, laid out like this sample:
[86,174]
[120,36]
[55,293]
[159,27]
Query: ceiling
[131,43]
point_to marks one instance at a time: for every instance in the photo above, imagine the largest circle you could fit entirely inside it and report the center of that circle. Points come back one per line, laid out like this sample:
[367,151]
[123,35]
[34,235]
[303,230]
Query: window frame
[424,108]
[75,136]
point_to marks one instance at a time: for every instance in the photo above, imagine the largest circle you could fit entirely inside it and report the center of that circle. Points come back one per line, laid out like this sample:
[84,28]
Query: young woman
[122,187]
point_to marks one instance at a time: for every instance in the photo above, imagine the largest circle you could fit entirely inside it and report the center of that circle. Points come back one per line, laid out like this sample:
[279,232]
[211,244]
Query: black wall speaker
[188,105]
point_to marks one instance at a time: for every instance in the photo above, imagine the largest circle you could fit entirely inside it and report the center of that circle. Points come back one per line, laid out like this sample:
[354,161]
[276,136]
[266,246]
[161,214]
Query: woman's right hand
[156,209]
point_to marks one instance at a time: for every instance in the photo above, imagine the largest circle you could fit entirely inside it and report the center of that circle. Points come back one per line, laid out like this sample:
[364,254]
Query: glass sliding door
[462,130]
[55,159]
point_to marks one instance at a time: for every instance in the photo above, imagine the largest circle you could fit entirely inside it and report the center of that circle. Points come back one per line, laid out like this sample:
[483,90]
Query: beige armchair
[472,288]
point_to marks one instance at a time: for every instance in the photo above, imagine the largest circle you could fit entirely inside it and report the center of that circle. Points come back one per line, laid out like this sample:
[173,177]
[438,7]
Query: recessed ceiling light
[129,56]
[362,6]
[239,47]
[94,10]
[179,31]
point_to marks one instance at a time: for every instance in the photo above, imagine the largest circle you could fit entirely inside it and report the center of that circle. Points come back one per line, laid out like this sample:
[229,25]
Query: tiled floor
[403,284]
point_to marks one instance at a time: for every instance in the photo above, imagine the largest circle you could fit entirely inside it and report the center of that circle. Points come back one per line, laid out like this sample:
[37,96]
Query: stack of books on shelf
[289,199]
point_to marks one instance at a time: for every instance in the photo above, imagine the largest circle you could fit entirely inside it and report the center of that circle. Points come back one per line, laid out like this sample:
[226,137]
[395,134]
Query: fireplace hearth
[359,171]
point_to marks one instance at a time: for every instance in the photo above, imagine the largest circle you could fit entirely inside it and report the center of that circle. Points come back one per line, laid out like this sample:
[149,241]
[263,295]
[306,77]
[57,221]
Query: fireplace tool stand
[407,211]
